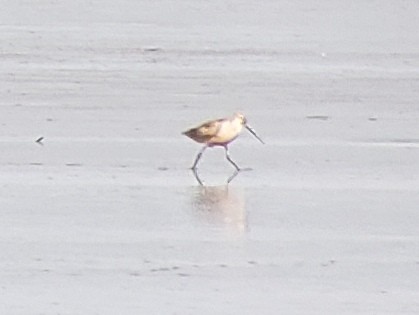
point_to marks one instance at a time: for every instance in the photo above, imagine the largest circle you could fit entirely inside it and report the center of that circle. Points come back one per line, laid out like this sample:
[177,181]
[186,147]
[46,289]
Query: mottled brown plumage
[219,132]
[205,132]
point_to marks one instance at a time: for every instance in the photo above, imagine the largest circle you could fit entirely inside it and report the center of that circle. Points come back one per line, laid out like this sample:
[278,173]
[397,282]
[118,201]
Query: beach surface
[103,215]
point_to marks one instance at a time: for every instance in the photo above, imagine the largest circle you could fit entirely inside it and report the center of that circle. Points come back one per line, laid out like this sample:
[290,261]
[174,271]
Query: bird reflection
[229,179]
[221,205]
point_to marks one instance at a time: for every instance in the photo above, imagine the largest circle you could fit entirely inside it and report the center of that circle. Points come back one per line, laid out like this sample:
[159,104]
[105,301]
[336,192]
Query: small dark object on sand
[39,140]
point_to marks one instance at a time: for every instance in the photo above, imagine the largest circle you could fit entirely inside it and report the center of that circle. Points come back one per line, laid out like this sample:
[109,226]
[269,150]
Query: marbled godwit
[219,132]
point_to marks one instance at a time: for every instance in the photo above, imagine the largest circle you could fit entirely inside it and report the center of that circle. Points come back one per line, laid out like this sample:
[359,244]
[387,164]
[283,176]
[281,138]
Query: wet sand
[104,216]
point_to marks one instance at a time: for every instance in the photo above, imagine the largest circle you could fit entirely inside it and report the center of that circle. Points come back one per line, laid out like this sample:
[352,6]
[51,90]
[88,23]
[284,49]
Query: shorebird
[219,132]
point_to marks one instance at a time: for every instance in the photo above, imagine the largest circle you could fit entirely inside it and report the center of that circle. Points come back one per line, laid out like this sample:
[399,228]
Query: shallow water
[105,216]
[105,235]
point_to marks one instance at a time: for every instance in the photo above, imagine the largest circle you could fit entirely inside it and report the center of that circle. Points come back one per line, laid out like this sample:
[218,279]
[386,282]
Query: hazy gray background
[106,218]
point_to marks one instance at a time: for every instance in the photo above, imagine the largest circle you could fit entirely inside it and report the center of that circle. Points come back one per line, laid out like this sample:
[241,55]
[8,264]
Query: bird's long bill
[254,133]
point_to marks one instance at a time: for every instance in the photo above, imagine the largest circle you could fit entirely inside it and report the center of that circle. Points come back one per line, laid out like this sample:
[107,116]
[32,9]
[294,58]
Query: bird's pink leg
[230,160]
[198,157]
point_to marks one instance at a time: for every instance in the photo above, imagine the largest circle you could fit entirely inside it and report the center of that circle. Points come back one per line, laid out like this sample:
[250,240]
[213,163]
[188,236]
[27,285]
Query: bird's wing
[210,128]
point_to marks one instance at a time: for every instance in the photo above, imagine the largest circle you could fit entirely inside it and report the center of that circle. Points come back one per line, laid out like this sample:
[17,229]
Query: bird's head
[243,121]
[241,118]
